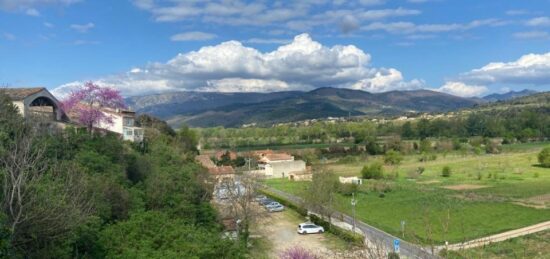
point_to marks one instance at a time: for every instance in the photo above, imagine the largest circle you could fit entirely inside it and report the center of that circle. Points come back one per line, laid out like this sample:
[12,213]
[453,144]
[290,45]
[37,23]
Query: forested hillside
[199,109]
[522,119]
[72,194]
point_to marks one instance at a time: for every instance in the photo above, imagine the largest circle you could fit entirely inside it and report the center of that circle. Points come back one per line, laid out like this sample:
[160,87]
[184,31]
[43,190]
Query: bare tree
[41,203]
[240,193]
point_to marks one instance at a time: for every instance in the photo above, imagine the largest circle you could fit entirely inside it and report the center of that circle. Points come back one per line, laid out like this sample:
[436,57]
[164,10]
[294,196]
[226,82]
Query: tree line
[513,124]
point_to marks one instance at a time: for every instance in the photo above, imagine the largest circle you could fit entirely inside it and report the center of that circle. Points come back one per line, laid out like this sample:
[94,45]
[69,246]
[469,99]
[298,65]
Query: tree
[446,171]
[241,194]
[544,157]
[321,192]
[373,171]
[393,157]
[88,101]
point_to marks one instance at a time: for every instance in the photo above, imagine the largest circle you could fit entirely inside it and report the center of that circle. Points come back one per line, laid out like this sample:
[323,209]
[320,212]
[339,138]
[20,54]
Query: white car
[309,228]
[272,204]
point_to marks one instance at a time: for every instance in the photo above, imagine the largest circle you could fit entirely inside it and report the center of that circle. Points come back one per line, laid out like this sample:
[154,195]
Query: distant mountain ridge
[208,109]
[509,95]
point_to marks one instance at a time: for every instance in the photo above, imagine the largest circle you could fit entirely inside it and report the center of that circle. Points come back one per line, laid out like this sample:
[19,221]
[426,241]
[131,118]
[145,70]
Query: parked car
[266,201]
[272,204]
[309,228]
[260,198]
[277,208]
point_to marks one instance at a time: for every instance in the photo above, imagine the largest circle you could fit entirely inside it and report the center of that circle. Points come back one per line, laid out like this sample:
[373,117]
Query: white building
[123,124]
[280,165]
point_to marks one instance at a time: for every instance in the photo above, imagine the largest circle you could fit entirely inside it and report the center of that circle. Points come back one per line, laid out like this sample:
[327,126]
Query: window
[128,121]
[128,132]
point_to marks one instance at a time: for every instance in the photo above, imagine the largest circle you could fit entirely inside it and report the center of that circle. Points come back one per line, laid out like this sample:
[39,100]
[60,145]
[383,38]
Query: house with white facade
[279,165]
[123,124]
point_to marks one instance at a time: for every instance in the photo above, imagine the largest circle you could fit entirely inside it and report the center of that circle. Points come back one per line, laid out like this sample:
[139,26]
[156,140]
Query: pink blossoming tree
[87,102]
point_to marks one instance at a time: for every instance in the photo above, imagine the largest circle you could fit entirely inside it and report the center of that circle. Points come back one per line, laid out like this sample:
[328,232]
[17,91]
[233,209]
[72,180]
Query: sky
[462,47]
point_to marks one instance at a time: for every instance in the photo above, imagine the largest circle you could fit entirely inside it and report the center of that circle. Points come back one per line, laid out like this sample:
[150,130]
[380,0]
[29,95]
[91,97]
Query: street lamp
[353,203]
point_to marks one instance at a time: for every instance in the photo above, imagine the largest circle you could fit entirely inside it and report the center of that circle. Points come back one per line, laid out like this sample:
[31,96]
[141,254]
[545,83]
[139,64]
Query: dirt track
[500,237]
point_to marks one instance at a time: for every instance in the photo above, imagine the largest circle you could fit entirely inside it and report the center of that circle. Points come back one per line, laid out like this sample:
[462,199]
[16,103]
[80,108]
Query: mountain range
[209,109]
[508,96]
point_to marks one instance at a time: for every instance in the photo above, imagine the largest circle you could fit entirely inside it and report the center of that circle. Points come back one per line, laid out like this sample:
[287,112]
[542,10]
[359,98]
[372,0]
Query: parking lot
[280,229]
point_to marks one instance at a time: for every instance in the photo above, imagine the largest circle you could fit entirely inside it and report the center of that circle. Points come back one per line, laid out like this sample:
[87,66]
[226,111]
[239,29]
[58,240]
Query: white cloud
[303,64]
[294,15]
[539,21]
[29,6]
[82,28]
[516,12]
[409,27]
[32,12]
[48,25]
[462,89]
[530,69]
[527,35]
[193,36]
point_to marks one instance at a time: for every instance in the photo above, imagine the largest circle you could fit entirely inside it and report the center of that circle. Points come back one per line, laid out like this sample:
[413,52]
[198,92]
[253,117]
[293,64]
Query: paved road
[373,235]
[500,237]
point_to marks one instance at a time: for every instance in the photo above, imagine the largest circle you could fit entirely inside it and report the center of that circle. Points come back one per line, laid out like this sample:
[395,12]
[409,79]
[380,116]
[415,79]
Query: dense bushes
[95,196]
[446,171]
[301,210]
[373,171]
[544,157]
[342,233]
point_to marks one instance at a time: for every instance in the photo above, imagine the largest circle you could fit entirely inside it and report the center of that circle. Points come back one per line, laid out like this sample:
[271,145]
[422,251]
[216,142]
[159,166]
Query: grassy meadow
[485,194]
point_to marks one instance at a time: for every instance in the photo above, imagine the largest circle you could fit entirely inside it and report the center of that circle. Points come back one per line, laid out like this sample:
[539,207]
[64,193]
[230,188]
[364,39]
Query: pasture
[485,194]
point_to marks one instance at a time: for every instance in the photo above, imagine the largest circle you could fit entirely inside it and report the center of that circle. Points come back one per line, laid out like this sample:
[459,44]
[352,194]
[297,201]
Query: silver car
[277,208]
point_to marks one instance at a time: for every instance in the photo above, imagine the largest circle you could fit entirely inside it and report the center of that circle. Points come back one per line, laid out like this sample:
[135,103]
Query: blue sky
[466,47]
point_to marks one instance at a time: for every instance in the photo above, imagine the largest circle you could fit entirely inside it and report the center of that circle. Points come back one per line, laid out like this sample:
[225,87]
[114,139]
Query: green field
[530,246]
[515,194]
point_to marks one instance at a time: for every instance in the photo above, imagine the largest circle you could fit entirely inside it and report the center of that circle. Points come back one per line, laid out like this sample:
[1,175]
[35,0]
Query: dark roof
[17,94]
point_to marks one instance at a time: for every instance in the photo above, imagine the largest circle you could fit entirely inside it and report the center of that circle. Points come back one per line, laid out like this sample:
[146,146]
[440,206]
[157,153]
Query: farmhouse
[36,104]
[123,124]
[279,165]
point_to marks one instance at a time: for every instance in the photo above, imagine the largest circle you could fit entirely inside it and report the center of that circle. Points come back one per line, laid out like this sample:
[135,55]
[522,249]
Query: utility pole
[353,203]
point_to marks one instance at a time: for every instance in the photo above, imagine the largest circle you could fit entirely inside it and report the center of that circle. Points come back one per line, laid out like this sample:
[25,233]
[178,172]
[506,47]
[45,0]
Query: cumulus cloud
[193,36]
[530,69]
[462,89]
[82,28]
[302,64]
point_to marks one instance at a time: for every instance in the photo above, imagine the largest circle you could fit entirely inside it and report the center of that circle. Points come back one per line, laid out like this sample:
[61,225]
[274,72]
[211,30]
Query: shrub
[393,255]
[393,157]
[301,210]
[446,172]
[342,233]
[297,253]
[381,195]
[347,189]
[373,171]
[544,157]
